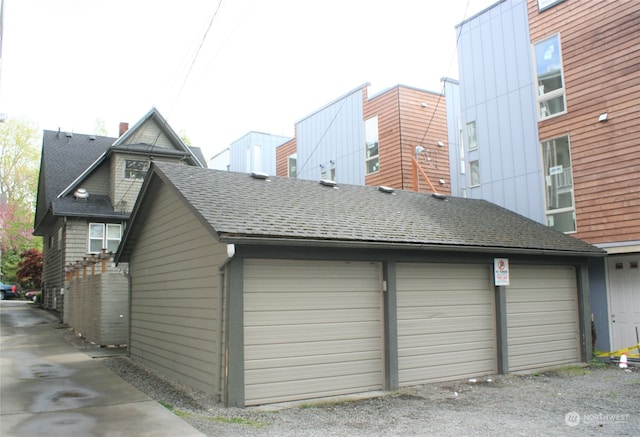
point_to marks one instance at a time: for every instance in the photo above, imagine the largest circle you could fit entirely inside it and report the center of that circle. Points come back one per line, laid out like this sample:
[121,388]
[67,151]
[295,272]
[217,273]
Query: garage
[311,329]
[542,317]
[446,322]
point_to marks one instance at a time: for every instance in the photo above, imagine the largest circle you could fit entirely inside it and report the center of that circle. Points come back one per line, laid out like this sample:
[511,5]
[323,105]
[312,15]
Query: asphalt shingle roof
[240,208]
[65,158]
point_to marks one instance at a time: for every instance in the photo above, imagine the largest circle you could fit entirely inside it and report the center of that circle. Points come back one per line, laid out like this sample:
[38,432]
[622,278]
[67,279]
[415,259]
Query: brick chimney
[123,128]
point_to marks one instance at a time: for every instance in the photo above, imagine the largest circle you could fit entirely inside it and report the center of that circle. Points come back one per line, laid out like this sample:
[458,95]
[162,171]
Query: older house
[264,289]
[87,187]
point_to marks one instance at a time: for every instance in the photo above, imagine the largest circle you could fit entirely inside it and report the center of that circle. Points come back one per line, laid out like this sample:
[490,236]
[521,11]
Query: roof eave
[285,241]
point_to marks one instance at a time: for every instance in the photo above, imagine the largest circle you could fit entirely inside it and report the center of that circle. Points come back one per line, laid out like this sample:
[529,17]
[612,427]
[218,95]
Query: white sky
[263,66]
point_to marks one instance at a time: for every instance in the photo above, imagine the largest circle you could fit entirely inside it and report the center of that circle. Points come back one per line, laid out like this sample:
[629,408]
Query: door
[624,294]
[311,329]
[446,322]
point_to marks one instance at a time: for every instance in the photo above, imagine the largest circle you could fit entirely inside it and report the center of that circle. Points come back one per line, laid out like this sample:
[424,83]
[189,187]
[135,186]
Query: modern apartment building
[391,139]
[544,121]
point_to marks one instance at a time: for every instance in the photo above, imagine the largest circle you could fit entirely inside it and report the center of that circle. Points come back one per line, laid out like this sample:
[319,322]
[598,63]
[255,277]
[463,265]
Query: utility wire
[448,70]
[323,135]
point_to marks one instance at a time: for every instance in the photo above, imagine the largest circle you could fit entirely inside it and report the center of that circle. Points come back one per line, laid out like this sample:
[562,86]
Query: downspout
[224,374]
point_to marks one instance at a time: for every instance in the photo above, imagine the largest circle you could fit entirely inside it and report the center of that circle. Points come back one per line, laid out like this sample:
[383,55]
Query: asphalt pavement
[50,388]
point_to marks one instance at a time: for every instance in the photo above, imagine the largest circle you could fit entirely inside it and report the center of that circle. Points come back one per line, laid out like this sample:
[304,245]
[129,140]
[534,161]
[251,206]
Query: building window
[474,173]
[550,83]
[104,236]
[292,162]
[560,208]
[372,157]
[135,169]
[472,136]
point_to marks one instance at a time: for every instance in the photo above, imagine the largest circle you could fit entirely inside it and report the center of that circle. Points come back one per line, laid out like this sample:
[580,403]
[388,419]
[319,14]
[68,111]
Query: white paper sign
[501,271]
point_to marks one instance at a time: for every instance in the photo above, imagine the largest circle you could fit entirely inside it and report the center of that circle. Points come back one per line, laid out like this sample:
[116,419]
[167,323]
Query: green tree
[19,163]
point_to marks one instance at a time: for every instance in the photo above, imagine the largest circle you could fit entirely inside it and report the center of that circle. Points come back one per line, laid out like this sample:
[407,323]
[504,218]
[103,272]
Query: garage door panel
[291,390]
[445,311]
[445,368]
[299,317]
[542,317]
[305,299]
[312,329]
[463,348]
[555,294]
[298,369]
[308,333]
[541,359]
[444,338]
[453,325]
[551,318]
[293,350]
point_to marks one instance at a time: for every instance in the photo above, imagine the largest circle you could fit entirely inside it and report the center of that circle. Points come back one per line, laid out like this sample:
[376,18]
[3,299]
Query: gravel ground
[595,401]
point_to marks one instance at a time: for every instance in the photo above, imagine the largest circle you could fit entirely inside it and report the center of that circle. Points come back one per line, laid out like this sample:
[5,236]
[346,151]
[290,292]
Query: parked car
[32,295]
[8,291]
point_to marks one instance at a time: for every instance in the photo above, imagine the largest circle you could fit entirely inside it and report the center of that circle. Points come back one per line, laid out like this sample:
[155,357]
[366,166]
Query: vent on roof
[92,137]
[328,182]
[81,194]
[259,175]
[68,134]
[388,190]
[439,196]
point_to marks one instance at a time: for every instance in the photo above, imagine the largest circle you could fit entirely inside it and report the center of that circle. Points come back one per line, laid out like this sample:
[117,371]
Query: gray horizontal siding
[175,295]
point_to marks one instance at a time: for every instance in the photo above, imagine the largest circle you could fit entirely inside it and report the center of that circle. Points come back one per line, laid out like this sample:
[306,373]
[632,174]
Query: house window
[104,235]
[550,83]
[474,173]
[560,208]
[472,137]
[135,169]
[372,157]
[292,162]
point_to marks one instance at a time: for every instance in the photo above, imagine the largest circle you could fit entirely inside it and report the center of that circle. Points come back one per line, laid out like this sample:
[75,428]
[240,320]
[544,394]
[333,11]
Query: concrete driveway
[47,387]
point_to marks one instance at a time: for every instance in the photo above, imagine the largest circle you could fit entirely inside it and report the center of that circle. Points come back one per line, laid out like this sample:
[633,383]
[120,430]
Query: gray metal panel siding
[452,93]
[497,91]
[175,295]
[267,163]
[599,302]
[335,133]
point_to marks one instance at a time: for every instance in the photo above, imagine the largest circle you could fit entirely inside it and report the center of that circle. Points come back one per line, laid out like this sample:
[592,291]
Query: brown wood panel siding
[175,295]
[403,124]
[282,154]
[601,65]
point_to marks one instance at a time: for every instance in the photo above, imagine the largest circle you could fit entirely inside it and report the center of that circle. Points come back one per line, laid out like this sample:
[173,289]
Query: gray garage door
[312,329]
[542,317]
[446,322]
